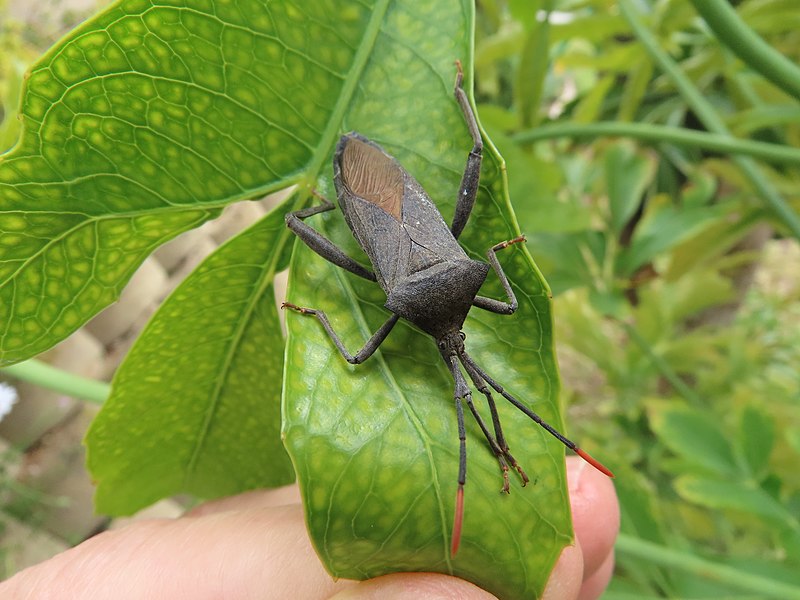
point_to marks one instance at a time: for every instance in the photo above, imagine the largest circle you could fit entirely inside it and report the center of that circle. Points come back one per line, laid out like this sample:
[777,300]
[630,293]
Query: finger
[597,583]
[413,586]
[595,513]
[234,555]
[567,576]
[288,494]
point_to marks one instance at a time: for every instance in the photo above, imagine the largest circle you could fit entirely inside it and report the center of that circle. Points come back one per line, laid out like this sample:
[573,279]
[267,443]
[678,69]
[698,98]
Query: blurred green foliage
[675,287]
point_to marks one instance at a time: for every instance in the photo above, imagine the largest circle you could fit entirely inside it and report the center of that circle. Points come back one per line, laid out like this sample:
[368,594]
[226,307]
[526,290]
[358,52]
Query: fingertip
[594,586]
[567,576]
[595,513]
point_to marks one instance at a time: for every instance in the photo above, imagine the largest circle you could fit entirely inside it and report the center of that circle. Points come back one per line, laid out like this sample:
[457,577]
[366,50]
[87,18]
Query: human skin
[255,546]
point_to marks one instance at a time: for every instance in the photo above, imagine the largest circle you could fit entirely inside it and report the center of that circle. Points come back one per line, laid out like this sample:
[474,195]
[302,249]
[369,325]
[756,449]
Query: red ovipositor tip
[594,462]
[458,519]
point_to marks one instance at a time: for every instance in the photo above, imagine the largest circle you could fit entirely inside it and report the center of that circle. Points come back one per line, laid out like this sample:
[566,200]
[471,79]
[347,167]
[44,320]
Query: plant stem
[708,116]
[731,576]
[58,380]
[664,134]
[723,20]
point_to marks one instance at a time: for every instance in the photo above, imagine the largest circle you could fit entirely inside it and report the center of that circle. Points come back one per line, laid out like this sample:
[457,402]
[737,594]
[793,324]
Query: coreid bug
[428,278]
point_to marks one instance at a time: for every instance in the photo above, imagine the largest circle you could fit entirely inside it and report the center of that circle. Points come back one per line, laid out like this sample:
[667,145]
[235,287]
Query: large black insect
[428,278]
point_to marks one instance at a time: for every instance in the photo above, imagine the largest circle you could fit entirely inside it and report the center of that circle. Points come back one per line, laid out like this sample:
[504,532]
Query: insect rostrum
[428,278]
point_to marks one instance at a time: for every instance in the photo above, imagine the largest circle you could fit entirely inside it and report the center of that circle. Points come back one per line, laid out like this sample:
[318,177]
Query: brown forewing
[373,176]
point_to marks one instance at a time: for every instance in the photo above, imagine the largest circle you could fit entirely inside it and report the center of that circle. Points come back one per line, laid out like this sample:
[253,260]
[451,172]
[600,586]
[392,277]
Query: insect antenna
[467,360]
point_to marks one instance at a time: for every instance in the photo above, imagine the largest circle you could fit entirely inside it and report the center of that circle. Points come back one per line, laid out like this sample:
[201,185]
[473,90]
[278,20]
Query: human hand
[255,545]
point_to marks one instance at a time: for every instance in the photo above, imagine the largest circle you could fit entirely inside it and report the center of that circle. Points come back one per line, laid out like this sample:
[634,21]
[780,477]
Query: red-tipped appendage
[458,519]
[594,462]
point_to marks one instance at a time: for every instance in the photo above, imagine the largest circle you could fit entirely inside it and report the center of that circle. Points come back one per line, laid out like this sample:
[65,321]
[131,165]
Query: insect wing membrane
[372,175]
[389,213]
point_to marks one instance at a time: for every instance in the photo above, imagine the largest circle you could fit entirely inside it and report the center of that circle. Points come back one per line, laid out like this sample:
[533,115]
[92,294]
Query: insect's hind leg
[319,243]
[490,304]
[498,443]
[369,348]
[468,190]
[460,392]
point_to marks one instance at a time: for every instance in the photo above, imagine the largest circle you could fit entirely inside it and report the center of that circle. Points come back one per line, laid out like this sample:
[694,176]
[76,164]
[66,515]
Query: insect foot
[300,309]
[507,243]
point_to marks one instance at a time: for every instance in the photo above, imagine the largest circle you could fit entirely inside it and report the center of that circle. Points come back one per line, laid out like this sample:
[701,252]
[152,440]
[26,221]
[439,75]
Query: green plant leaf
[533,65]
[627,175]
[375,445]
[756,438]
[640,519]
[664,226]
[694,436]
[139,125]
[195,406]
[710,240]
[571,259]
[734,495]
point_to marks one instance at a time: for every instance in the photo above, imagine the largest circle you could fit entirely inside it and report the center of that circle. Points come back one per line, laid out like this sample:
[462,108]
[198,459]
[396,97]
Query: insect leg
[458,513]
[496,306]
[461,391]
[537,419]
[319,243]
[472,172]
[365,352]
[500,445]
[497,449]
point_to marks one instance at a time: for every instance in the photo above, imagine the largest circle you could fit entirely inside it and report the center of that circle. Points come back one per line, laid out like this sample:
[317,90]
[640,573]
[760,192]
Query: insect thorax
[437,299]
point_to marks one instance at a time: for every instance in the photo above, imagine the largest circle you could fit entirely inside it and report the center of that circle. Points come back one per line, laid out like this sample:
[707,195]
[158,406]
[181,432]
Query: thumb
[416,586]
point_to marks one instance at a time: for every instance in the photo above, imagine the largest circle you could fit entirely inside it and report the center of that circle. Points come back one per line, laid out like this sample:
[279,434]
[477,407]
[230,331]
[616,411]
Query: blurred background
[674,264]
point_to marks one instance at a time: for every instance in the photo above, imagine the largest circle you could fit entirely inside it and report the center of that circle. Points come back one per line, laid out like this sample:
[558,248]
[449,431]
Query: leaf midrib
[362,55]
[324,148]
[265,280]
[313,170]
[409,410]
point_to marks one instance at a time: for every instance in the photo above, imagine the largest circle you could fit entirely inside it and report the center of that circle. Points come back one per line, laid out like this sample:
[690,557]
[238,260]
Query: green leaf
[533,66]
[627,175]
[756,439]
[733,495]
[141,124]
[572,259]
[664,226]
[635,91]
[376,445]
[195,406]
[694,436]
[589,107]
[710,239]
[641,519]
[536,182]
